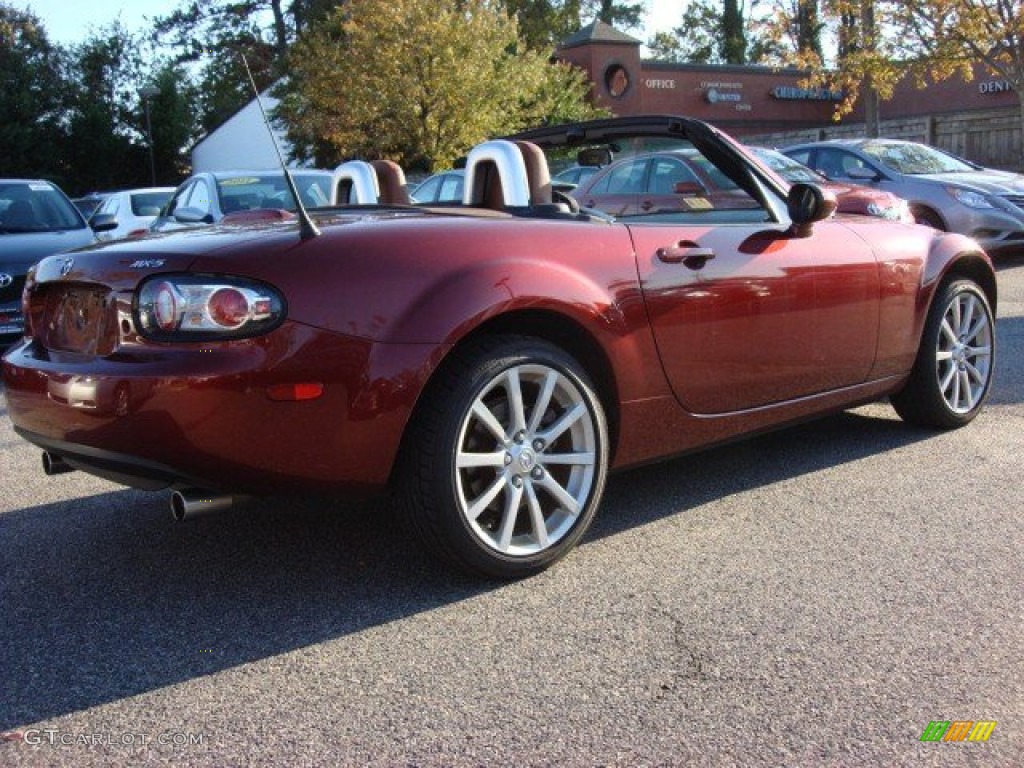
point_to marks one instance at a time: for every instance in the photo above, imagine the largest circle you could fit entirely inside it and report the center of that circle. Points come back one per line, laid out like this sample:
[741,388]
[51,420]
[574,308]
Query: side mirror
[862,174]
[103,222]
[808,203]
[193,216]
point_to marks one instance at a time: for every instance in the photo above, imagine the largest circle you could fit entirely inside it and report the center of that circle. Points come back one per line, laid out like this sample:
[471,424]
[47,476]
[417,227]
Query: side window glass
[451,189]
[109,205]
[801,156]
[427,193]
[666,173]
[836,164]
[178,201]
[199,197]
[627,179]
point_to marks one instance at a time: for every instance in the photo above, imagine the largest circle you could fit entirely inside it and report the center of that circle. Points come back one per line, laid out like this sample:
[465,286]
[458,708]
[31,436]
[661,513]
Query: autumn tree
[419,82]
[948,36]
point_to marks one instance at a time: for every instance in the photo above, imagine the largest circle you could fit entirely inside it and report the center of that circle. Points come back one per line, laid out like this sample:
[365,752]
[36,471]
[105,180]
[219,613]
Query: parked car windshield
[241,193]
[36,206]
[913,159]
[786,167]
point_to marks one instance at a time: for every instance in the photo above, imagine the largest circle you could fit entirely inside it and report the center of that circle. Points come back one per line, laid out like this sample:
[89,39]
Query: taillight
[206,307]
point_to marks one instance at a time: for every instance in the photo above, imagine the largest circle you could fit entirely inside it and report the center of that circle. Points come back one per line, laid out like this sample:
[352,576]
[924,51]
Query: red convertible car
[491,361]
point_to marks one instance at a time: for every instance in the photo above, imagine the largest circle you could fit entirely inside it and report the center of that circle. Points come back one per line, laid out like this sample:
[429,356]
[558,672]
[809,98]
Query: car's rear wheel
[506,461]
[953,371]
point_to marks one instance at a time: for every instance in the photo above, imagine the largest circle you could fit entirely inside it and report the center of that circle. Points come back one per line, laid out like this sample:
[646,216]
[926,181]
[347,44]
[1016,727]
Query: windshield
[913,159]
[36,206]
[786,167]
[271,191]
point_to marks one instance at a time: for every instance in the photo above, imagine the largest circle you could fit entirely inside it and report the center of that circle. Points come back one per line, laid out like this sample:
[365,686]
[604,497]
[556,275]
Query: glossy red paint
[691,332]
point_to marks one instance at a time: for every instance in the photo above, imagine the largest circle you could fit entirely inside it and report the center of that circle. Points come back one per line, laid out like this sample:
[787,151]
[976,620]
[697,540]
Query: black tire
[929,218]
[459,479]
[953,370]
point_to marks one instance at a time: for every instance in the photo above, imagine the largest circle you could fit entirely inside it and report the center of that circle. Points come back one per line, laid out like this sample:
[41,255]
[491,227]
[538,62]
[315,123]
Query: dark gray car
[943,191]
[36,220]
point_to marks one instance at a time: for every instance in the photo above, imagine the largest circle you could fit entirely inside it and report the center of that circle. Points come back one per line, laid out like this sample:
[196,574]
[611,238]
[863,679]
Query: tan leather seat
[537,173]
[391,183]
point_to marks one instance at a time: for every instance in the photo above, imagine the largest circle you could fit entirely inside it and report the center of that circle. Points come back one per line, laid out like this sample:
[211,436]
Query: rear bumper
[200,416]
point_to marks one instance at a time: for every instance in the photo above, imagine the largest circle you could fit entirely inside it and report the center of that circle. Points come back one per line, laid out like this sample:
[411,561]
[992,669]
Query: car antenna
[307,229]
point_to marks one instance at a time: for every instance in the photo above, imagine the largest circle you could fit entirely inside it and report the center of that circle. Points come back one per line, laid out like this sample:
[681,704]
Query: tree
[418,81]
[734,38]
[33,99]
[952,34]
[711,32]
[105,147]
[174,120]
[218,33]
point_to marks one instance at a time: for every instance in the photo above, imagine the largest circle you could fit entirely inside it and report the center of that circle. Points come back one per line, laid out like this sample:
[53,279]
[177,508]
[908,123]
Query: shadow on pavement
[104,597]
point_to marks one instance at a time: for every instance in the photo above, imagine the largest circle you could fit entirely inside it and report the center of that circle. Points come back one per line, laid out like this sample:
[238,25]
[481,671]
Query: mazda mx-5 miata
[490,362]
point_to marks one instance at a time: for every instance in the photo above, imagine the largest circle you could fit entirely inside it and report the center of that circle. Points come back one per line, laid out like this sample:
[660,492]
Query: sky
[69,21]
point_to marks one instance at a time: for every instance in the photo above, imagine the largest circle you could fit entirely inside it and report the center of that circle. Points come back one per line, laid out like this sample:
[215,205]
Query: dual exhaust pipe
[185,504]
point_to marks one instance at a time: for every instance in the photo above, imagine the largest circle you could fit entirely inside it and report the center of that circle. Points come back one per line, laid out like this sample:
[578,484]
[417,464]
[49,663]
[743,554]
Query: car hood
[992,182]
[20,250]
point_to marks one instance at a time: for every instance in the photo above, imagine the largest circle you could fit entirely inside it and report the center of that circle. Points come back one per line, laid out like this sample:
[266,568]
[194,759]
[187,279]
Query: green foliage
[712,32]
[32,129]
[419,82]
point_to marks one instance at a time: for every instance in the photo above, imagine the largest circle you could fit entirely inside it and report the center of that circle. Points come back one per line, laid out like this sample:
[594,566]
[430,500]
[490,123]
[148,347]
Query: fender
[456,304]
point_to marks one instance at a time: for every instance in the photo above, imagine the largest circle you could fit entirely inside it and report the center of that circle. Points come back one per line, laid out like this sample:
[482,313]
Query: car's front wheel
[506,461]
[953,370]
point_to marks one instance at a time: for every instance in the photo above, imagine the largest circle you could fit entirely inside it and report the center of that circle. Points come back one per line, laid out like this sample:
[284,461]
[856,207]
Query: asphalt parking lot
[813,597]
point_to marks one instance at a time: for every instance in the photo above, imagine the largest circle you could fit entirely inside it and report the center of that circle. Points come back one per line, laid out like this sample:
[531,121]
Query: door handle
[647,205]
[690,254]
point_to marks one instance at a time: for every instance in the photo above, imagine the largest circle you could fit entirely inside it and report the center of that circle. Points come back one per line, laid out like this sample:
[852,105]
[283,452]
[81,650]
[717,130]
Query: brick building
[745,100]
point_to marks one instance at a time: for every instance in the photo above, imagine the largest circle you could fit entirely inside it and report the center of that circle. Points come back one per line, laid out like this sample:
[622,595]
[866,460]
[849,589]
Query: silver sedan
[944,192]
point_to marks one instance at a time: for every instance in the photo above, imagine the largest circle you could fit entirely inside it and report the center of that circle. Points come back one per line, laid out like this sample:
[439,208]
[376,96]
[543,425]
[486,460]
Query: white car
[130,212]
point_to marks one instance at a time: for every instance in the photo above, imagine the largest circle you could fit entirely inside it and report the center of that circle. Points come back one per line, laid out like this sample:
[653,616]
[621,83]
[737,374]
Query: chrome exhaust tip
[55,465]
[193,502]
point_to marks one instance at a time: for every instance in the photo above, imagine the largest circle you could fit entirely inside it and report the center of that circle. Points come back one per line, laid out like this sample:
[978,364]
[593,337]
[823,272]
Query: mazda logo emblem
[68,264]
[5,280]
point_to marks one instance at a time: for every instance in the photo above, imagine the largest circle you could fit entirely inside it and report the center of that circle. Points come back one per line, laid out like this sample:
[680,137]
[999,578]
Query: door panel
[759,316]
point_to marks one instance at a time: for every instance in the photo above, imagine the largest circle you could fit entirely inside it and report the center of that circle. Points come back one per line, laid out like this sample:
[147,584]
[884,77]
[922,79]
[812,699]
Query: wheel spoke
[967,315]
[955,399]
[943,354]
[965,388]
[947,331]
[957,312]
[514,389]
[947,379]
[508,520]
[481,502]
[465,459]
[488,419]
[975,373]
[540,526]
[575,459]
[979,351]
[543,401]
[562,496]
[977,327]
[567,420]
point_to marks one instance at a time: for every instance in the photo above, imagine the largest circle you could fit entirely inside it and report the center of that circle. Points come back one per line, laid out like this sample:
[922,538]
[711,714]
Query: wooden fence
[991,137]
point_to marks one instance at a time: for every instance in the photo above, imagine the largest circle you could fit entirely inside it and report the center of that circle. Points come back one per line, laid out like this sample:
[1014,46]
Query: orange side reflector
[305,390]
